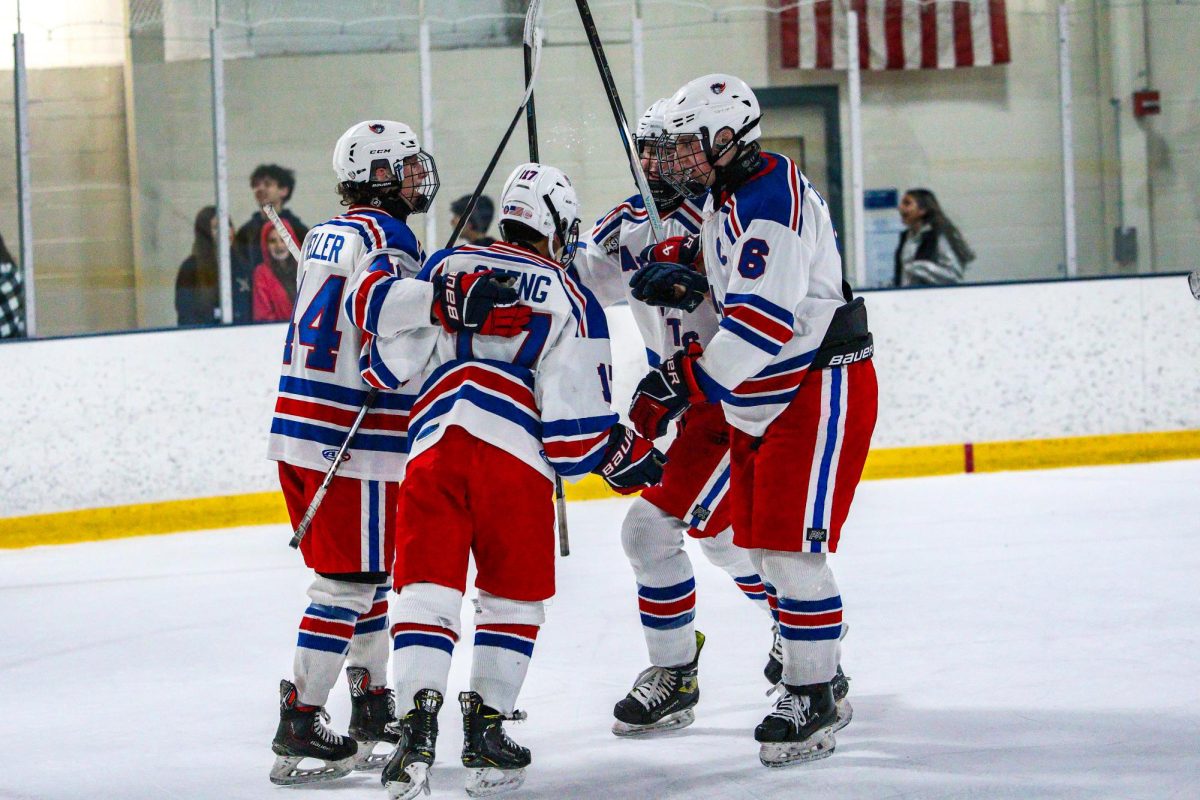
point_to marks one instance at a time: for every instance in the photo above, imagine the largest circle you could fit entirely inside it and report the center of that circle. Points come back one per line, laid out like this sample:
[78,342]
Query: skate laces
[323,733]
[653,686]
[792,708]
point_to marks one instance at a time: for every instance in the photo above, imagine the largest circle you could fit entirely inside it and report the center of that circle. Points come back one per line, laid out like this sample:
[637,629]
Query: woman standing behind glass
[931,252]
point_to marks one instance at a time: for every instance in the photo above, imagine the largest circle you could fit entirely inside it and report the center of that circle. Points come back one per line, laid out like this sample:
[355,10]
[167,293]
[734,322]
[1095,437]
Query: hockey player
[383,177]
[692,497]
[791,365]
[494,421]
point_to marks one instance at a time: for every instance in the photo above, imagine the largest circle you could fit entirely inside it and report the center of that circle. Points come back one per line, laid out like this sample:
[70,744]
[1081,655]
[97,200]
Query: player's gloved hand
[673,250]
[630,463]
[481,302]
[671,285]
[666,392]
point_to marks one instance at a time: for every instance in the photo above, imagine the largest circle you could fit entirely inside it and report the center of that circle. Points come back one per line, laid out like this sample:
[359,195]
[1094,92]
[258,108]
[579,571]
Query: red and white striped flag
[895,34]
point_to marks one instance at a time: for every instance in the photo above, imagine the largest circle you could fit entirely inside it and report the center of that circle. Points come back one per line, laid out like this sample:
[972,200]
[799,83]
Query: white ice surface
[1021,635]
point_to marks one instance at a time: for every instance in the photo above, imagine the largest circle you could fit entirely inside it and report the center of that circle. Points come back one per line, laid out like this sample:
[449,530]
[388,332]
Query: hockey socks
[505,633]
[423,637]
[326,632]
[371,645]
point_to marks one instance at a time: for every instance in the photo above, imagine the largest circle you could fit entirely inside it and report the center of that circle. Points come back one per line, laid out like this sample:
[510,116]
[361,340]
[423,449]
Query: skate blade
[368,760]
[288,772]
[845,713]
[487,781]
[783,754]
[671,722]
[418,782]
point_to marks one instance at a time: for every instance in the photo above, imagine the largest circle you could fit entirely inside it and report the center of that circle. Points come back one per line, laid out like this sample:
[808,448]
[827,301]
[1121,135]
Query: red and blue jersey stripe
[575,446]
[320,412]
[498,388]
[758,321]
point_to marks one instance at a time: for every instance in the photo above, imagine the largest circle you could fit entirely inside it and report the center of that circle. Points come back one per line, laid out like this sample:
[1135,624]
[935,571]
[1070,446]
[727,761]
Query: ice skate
[406,773]
[800,728]
[662,699]
[840,683]
[371,711]
[494,763]
[302,734]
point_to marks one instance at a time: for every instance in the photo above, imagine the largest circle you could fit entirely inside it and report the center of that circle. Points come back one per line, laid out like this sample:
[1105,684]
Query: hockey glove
[666,392]
[630,463]
[670,285]
[673,250]
[480,302]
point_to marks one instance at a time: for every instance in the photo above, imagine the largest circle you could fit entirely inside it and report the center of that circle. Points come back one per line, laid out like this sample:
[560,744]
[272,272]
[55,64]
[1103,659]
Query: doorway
[804,125]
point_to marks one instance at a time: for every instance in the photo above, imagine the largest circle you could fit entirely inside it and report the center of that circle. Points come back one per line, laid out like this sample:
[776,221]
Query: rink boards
[165,431]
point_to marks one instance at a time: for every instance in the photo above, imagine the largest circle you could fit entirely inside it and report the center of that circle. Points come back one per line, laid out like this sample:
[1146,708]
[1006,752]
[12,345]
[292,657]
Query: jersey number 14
[317,327]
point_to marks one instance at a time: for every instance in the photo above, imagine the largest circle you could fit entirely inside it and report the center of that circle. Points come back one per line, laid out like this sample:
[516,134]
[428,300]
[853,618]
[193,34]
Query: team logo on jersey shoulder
[817,535]
[612,244]
[331,454]
[718,87]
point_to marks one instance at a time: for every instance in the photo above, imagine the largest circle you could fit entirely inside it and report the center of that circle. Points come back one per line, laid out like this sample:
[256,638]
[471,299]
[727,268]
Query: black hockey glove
[480,302]
[666,392]
[630,463]
[672,285]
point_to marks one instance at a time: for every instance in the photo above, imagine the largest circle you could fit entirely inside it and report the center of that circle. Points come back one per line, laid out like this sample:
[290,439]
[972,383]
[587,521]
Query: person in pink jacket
[274,280]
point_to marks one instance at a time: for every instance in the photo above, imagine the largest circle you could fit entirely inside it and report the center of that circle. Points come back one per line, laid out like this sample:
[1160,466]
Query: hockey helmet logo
[517,210]
[376,127]
[718,87]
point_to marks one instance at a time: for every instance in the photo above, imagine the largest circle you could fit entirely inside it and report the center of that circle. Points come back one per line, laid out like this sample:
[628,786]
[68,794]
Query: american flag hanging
[895,34]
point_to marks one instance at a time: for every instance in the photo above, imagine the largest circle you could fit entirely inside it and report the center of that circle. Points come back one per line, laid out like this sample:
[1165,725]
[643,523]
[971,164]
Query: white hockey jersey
[329,347]
[543,396]
[609,259]
[771,256]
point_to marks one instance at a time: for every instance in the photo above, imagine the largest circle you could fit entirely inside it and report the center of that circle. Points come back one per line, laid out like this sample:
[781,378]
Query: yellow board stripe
[267,508]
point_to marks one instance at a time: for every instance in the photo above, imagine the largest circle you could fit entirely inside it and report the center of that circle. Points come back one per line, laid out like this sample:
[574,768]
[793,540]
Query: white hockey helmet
[541,197]
[693,117]
[650,126]
[384,154]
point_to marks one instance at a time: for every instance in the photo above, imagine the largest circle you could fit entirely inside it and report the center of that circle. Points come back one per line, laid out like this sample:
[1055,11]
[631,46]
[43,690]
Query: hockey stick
[283,232]
[532,39]
[529,43]
[614,102]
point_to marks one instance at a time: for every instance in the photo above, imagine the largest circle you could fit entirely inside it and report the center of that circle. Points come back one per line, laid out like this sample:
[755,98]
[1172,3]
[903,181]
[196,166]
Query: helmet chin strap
[745,161]
[394,204]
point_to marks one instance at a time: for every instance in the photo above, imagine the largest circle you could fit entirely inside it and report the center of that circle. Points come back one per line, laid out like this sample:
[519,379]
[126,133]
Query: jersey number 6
[753,262]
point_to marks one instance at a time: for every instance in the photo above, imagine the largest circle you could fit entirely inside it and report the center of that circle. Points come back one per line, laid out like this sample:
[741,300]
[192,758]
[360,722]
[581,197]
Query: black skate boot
[662,699]
[800,728]
[371,711]
[302,734]
[840,683]
[494,762]
[406,773]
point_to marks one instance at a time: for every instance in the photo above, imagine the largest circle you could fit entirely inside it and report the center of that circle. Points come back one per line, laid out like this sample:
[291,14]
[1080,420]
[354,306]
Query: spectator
[12,297]
[931,251]
[275,281]
[198,285]
[272,184]
[475,231]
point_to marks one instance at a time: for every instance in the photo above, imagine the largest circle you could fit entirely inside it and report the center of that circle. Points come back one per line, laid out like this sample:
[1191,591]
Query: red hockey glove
[666,392]
[480,302]
[674,250]
[630,463]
